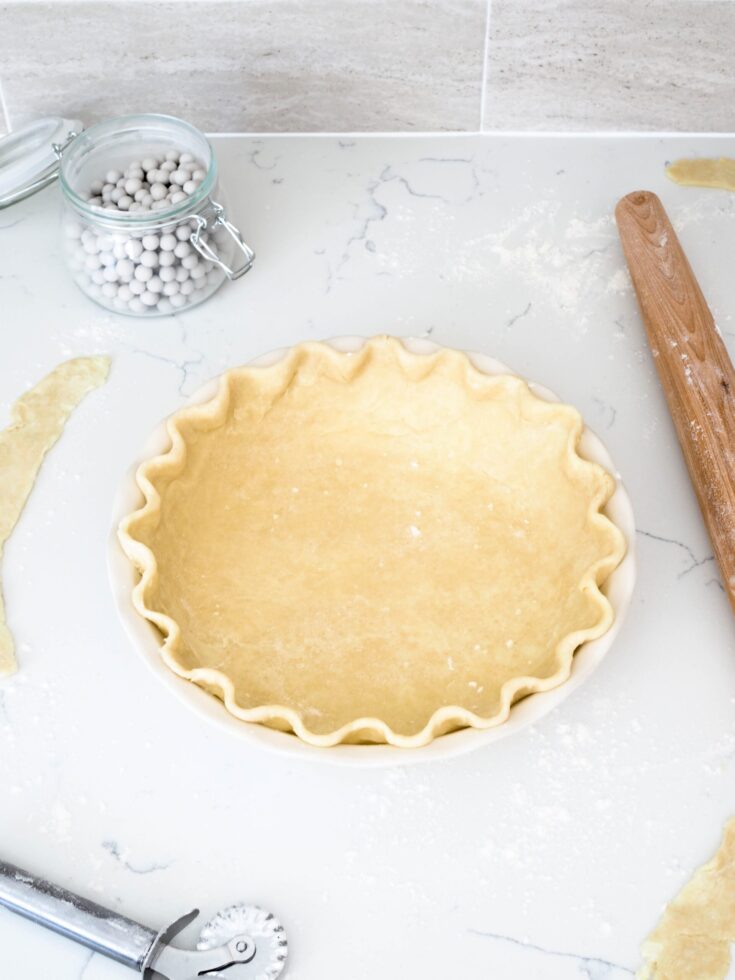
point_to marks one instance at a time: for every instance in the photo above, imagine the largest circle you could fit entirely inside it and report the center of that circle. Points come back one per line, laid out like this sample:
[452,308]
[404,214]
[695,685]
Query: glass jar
[142,261]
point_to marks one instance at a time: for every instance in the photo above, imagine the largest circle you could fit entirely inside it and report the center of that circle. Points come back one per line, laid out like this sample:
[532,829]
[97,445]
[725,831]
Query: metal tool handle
[85,922]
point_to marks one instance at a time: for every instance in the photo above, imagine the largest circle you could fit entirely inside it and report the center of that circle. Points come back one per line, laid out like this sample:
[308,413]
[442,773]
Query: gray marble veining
[611,65]
[531,960]
[250,65]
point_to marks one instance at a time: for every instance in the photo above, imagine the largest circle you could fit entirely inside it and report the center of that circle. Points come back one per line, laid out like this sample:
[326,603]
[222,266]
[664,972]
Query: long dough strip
[37,420]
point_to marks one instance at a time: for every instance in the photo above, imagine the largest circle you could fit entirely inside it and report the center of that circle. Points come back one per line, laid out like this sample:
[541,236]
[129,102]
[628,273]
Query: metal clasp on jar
[59,148]
[211,219]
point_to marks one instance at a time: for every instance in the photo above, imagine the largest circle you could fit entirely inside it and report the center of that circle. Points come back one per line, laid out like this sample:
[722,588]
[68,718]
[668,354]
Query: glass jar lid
[29,156]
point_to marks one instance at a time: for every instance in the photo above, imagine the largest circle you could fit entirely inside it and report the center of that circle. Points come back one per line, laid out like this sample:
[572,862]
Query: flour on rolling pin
[718,173]
[692,362]
[37,420]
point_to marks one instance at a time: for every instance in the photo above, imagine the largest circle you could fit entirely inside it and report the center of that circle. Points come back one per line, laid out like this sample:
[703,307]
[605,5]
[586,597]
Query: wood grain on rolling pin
[692,362]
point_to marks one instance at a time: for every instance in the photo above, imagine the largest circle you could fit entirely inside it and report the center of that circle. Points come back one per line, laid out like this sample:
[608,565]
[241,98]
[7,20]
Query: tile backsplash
[611,65]
[375,65]
[249,65]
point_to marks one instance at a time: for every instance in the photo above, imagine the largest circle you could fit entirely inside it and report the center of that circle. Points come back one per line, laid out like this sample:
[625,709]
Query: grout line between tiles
[459,134]
[485,56]
[4,110]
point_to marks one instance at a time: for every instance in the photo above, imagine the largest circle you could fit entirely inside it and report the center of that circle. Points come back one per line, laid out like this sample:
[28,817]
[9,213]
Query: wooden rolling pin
[692,362]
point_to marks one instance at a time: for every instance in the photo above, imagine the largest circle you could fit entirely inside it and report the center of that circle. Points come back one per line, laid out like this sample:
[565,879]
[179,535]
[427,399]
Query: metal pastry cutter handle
[113,935]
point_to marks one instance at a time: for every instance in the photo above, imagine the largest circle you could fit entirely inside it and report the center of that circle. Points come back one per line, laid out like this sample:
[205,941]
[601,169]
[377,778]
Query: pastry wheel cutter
[242,942]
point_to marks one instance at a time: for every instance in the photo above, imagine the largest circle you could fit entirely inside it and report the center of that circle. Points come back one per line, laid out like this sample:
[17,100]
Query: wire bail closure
[207,252]
[59,148]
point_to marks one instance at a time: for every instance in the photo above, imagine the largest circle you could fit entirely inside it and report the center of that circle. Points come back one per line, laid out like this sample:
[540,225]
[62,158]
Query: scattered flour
[563,260]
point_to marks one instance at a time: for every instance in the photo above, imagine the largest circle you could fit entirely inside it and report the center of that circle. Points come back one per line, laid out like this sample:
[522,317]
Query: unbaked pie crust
[380,546]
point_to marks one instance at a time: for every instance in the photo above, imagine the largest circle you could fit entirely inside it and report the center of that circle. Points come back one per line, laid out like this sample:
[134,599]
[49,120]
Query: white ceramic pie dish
[146,639]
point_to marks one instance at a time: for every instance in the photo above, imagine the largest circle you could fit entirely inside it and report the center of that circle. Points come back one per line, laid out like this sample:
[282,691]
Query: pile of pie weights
[143,272]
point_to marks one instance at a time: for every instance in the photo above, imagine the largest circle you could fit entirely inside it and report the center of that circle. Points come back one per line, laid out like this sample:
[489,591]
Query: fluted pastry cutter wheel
[242,942]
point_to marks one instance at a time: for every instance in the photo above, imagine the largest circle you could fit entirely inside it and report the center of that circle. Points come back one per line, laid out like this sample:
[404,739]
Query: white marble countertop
[548,855]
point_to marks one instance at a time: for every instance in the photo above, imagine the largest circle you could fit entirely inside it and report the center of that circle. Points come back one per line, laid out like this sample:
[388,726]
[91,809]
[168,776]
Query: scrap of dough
[692,940]
[703,173]
[37,420]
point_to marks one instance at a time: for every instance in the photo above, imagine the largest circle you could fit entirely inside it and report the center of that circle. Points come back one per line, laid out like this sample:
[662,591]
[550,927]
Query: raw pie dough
[692,940]
[703,173]
[37,420]
[381,546]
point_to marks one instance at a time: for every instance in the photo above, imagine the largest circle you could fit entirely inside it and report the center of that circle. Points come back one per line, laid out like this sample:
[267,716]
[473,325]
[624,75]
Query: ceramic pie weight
[242,942]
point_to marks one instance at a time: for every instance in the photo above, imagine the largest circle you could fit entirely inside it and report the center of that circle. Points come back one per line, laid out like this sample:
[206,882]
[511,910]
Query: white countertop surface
[548,855]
